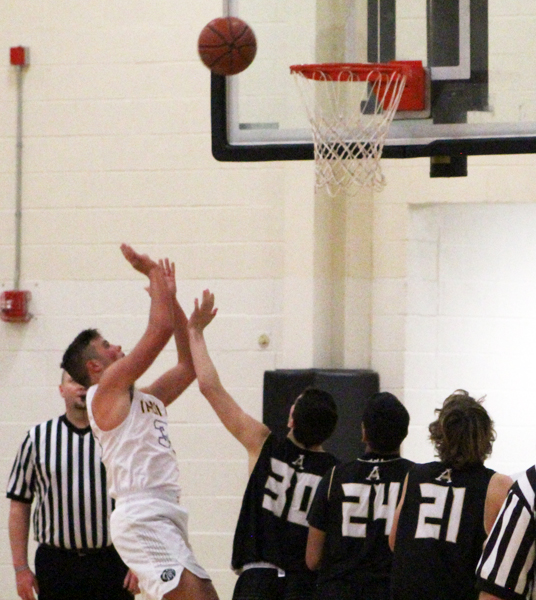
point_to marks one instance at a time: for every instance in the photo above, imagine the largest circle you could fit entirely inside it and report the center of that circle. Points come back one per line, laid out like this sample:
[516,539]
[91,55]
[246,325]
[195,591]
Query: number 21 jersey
[440,533]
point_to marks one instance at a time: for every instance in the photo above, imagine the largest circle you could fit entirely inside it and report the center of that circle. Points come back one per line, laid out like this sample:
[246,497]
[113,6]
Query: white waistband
[262,565]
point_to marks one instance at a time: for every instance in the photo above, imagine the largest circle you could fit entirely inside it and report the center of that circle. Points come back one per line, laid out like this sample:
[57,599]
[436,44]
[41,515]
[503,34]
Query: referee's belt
[79,551]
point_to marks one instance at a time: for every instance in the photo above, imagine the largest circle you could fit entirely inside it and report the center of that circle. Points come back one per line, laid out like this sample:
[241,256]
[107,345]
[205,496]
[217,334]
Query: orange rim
[347,71]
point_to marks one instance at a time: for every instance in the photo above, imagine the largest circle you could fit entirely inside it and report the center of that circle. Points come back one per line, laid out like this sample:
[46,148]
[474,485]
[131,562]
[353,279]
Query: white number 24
[383,508]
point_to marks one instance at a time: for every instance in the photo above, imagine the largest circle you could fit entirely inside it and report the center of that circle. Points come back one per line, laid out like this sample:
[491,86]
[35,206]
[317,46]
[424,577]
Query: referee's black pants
[76,575]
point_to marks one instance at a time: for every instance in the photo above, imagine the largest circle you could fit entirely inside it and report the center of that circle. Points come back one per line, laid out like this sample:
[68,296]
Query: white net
[350,108]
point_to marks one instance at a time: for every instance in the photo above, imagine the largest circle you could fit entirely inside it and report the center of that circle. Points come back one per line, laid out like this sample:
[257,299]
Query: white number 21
[436,510]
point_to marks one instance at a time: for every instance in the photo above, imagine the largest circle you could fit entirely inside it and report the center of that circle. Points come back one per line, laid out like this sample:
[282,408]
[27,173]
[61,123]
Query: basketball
[227,45]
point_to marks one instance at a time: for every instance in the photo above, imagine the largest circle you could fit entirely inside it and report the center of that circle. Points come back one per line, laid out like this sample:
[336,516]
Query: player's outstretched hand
[141,262]
[203,313]
[169,275]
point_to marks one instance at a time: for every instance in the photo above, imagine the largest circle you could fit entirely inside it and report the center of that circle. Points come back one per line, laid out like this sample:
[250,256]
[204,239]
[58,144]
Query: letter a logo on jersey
[298,463]
[445,476]
[374,474]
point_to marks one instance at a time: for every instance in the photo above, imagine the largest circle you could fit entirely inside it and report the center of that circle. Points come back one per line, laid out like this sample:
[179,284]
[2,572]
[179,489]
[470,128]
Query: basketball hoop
[350,108]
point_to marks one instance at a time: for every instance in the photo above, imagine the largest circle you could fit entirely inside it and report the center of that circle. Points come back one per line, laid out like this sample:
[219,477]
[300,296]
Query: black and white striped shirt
[59,467]
[506,568]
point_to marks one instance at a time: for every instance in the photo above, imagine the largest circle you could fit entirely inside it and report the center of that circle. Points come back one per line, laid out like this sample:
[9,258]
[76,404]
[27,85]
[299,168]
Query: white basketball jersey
[137,454]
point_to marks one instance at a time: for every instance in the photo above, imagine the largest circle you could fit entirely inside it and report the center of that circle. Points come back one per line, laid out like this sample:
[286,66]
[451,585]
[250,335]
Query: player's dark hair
[314,417]
[77,354]
[386,422]
[463,432]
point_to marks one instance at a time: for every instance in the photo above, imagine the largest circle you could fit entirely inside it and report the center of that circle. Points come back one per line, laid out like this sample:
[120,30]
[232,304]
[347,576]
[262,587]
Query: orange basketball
[227,45]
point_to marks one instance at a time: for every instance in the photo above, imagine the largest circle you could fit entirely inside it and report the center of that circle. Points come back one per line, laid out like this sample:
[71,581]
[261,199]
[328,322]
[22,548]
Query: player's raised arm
[248,431]
[111,402]
[172,383]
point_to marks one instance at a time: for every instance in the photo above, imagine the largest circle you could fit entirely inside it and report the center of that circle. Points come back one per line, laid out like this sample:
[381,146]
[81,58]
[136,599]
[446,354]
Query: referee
[507,567]
[59,467]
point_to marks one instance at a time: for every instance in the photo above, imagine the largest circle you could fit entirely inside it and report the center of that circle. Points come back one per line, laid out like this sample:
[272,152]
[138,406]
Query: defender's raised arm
[247,430]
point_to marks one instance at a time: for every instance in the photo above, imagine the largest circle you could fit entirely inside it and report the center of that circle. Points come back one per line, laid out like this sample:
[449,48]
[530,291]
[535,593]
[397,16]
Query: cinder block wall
[117,148]
[454,296]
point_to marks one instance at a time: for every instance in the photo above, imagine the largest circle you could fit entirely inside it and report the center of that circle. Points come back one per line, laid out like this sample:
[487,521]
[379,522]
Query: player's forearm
[160,315]
[19,530]
[125,372]
[207,376]
[180,332]
[315,548]
[228,411]
[247,430]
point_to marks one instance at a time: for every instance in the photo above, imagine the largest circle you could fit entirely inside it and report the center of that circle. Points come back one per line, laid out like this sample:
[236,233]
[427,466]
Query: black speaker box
[349,388]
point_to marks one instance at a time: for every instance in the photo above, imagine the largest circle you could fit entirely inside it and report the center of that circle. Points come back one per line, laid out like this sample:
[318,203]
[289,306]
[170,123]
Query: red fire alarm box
[19,56]
[14,306]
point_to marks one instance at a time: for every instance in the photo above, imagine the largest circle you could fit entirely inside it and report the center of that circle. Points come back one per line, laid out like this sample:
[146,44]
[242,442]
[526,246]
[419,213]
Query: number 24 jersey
[355,505]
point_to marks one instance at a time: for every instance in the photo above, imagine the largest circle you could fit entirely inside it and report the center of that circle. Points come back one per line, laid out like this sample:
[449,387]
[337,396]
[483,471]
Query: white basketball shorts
[149,530]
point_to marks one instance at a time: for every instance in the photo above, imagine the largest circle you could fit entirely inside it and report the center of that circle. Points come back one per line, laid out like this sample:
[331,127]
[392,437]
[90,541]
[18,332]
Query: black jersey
[272,525]
[440,533]
[355,506]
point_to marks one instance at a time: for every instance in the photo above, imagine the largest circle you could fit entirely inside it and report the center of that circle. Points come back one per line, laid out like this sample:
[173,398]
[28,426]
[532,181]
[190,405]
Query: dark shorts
[345,590]
[265,584]
[69,575]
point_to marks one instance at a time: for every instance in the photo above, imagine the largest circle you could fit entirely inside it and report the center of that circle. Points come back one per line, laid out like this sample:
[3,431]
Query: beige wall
[454,295]
[117,148]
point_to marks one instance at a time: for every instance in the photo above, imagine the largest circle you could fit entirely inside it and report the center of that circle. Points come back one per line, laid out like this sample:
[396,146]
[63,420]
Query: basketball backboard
[480,55]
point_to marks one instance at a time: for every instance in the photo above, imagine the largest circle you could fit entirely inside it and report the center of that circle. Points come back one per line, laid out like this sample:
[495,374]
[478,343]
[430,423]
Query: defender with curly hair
[448,507]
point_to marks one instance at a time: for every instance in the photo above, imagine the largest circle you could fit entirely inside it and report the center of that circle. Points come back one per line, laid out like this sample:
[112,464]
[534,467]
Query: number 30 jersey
[355,506]
[440,533]
[272,525]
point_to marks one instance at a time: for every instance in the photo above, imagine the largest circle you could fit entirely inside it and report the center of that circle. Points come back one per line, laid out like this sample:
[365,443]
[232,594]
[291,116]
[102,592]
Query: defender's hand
[204,313]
